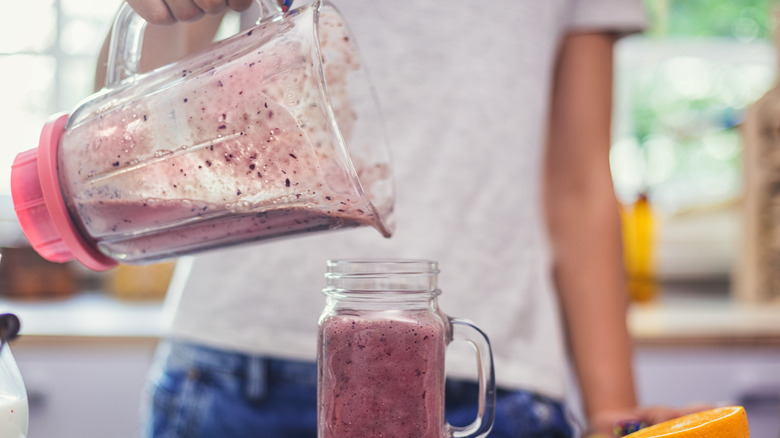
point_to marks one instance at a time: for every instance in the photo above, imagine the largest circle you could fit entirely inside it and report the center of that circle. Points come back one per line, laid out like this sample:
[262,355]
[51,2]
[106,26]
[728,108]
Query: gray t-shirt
[464,86]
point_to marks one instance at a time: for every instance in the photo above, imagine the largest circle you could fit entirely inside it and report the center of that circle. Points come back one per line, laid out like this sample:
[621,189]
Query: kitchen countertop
[703,314]
[681,315]
[87,314]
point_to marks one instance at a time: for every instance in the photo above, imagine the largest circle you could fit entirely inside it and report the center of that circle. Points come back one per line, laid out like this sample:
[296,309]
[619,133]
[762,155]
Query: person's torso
[464,89]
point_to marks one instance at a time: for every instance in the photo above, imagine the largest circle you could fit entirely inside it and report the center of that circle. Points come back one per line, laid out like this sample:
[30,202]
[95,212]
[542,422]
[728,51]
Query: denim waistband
[256,370]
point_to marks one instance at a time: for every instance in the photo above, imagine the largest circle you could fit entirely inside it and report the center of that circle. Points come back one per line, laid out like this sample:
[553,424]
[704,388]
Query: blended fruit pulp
[382,377]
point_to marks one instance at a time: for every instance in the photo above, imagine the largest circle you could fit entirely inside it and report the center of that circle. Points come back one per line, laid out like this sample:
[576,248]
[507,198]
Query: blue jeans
[201,392]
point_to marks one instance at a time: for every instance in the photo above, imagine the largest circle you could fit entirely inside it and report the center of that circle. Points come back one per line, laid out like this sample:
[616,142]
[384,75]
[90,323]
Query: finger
[625,427]
[240,5]
[659,414]
[604,422]
[184,10]
[212,7]
[154,12]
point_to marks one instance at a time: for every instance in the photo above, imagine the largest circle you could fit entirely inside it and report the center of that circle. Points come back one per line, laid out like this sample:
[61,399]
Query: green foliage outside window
[683,88]
[743,20]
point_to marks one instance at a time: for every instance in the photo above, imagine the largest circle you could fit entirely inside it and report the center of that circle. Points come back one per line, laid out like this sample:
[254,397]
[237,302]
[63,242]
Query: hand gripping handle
[124,49]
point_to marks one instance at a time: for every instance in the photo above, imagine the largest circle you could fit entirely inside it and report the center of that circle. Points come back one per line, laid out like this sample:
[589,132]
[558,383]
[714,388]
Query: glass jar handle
[124,50]
[463,330]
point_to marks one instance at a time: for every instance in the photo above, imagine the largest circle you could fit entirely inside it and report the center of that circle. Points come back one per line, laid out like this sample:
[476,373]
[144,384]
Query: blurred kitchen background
[693,173]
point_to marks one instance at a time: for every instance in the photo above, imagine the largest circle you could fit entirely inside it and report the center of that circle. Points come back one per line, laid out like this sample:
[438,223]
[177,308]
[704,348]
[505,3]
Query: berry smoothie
[382,377]
[232,146]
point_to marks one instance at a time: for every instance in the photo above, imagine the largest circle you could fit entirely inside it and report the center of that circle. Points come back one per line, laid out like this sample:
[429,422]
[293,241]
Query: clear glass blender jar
[274,132]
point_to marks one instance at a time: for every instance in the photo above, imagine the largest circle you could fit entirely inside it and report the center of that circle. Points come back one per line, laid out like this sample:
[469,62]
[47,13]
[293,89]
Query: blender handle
[124,50]
[486,408]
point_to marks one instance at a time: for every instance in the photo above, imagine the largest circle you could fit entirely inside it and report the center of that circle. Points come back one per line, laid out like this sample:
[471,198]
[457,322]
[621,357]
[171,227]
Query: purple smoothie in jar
[382,375]
[381,354]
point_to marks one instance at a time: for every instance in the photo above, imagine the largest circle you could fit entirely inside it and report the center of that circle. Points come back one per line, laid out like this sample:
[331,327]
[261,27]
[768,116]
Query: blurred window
[48,50]
[682,88]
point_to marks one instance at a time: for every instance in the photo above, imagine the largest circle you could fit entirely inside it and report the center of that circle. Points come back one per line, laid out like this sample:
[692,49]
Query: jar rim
[366,267]
[371,278]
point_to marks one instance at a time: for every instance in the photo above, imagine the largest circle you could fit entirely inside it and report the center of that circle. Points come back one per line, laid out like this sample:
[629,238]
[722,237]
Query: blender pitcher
[273,132]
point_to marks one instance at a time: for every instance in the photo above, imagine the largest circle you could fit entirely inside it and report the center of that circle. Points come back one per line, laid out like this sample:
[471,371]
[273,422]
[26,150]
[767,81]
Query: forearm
[584,224]
[589,277]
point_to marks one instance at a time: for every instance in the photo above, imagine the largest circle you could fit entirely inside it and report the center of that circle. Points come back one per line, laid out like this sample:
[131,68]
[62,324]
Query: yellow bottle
[140,282]
[639,254]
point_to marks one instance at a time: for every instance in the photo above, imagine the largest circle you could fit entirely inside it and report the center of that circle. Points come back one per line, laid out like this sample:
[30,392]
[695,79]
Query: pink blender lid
[40,208]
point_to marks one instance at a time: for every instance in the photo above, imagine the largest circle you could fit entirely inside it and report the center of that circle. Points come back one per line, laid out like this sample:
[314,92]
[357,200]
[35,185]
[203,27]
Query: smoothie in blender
[242,149]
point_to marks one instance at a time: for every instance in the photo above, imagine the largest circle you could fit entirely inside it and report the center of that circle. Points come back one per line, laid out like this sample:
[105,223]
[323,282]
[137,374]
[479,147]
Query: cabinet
[695,345]
[84,387]
[84,361]
[719,373]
